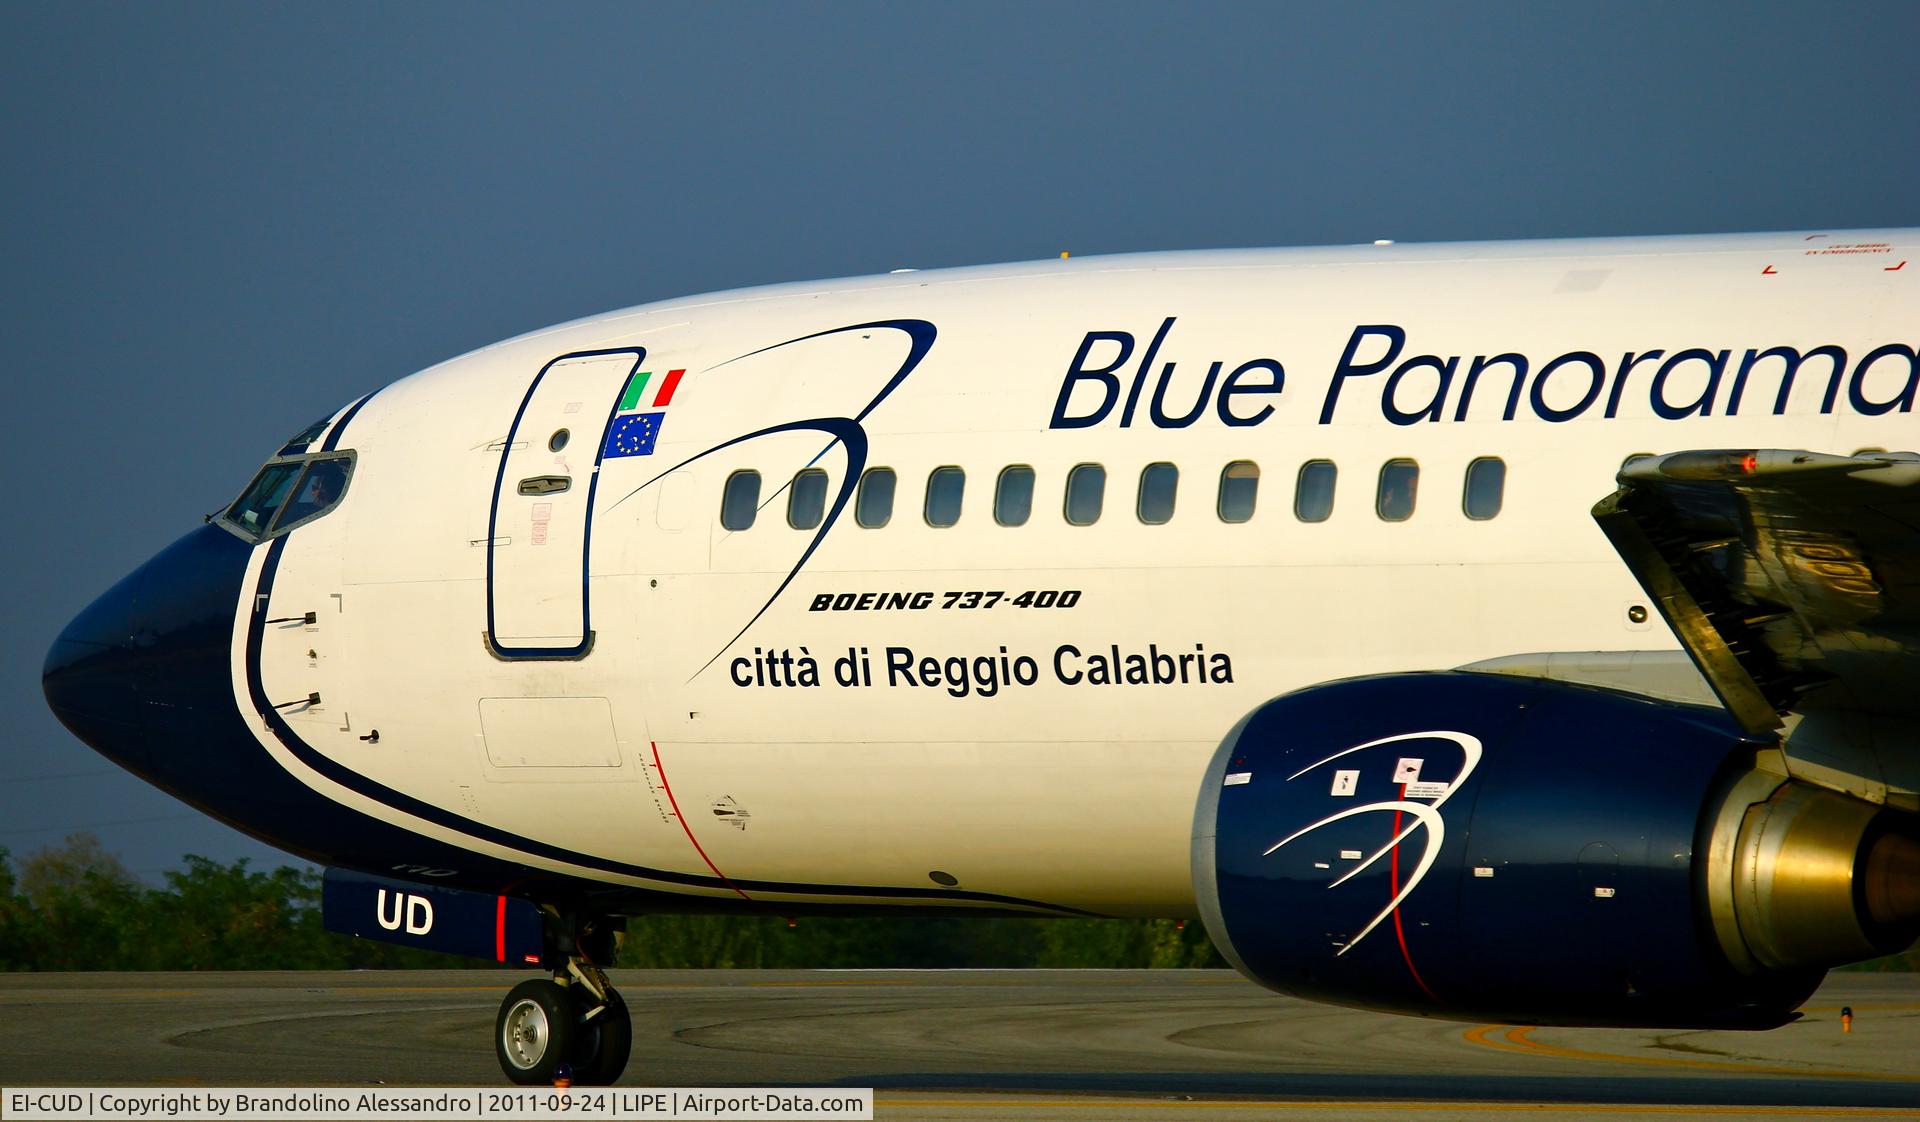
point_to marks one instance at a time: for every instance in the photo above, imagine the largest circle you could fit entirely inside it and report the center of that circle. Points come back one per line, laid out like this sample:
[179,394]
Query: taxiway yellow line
[1518,1038]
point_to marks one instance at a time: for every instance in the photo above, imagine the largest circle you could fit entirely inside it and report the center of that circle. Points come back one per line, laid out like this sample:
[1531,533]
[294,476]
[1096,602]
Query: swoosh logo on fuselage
[847,432]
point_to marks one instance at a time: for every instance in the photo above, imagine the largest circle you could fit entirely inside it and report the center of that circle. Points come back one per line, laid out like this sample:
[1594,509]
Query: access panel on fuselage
[537,601]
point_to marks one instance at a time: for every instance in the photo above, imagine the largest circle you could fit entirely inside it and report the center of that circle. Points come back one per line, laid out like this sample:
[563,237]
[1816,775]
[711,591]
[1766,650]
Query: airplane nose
[147,661]
[91,673]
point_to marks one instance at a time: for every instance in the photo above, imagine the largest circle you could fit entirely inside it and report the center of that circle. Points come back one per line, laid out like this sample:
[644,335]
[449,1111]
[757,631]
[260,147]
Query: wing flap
[1792,578]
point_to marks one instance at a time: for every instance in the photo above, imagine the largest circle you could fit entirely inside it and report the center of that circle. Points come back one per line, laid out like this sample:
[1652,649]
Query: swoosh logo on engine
[1426,817]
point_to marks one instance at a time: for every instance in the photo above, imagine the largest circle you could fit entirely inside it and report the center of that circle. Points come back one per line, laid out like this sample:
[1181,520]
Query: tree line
[76,907]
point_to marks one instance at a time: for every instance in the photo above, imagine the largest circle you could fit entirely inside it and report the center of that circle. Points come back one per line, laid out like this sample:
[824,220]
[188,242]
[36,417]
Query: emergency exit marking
[1344,782]
[1408,771]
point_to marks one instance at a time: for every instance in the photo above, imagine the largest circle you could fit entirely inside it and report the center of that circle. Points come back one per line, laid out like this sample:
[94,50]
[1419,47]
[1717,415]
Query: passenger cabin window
[873,503]
[945,487]
[1158,484]
[1086,493]
[254,510]
[1486,488]
[1239,486]
[1399,479]
[740,500]
[319,489]
[1013,496]
[1313,491]
[807,499]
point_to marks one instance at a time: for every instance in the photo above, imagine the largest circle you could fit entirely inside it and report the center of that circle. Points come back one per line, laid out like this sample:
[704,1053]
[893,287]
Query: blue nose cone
[144,670]
[92,674]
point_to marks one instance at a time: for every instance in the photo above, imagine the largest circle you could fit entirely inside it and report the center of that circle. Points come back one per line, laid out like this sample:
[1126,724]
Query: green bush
[75,907]
[912,943]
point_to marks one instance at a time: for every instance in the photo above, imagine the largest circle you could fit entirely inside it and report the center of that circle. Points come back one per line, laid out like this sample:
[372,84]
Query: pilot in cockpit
[319,489]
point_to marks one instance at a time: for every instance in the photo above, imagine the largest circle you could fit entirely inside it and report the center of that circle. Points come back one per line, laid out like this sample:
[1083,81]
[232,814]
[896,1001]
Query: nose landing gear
[576,1018]
[602,1045]
[535,1030]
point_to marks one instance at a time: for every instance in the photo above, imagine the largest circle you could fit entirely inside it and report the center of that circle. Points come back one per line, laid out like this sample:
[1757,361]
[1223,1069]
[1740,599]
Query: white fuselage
[673,744]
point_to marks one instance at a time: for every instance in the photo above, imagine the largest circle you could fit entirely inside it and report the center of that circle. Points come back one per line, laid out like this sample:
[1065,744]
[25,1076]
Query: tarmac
[1034,1044]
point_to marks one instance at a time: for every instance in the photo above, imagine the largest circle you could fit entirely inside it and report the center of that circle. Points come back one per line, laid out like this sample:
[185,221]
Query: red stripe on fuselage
[675,803]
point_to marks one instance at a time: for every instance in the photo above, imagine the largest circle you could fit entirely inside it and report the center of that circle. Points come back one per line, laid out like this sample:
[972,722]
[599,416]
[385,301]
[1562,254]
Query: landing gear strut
[576,1019]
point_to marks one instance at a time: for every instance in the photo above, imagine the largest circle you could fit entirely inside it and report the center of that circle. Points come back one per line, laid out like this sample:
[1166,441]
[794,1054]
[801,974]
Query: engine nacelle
[1485,847]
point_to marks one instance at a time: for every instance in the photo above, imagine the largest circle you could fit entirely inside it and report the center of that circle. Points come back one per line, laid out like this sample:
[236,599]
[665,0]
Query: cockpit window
[254,510]
[320,487]
[307,436]
[290,491]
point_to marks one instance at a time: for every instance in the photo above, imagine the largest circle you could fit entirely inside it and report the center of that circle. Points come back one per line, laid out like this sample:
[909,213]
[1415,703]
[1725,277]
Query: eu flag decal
[633,434]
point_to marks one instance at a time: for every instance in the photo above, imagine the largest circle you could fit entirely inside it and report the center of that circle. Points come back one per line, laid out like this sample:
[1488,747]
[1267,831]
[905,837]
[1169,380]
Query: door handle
[545,484]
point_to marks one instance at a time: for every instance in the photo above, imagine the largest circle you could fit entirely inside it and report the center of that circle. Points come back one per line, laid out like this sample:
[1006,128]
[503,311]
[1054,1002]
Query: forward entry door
[542,520]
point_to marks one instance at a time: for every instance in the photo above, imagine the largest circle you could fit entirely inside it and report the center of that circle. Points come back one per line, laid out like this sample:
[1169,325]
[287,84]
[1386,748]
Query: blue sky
[224,220]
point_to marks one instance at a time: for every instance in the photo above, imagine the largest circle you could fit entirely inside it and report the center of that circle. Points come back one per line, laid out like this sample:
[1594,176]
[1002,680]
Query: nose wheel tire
[536,1031]
[601,1045]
